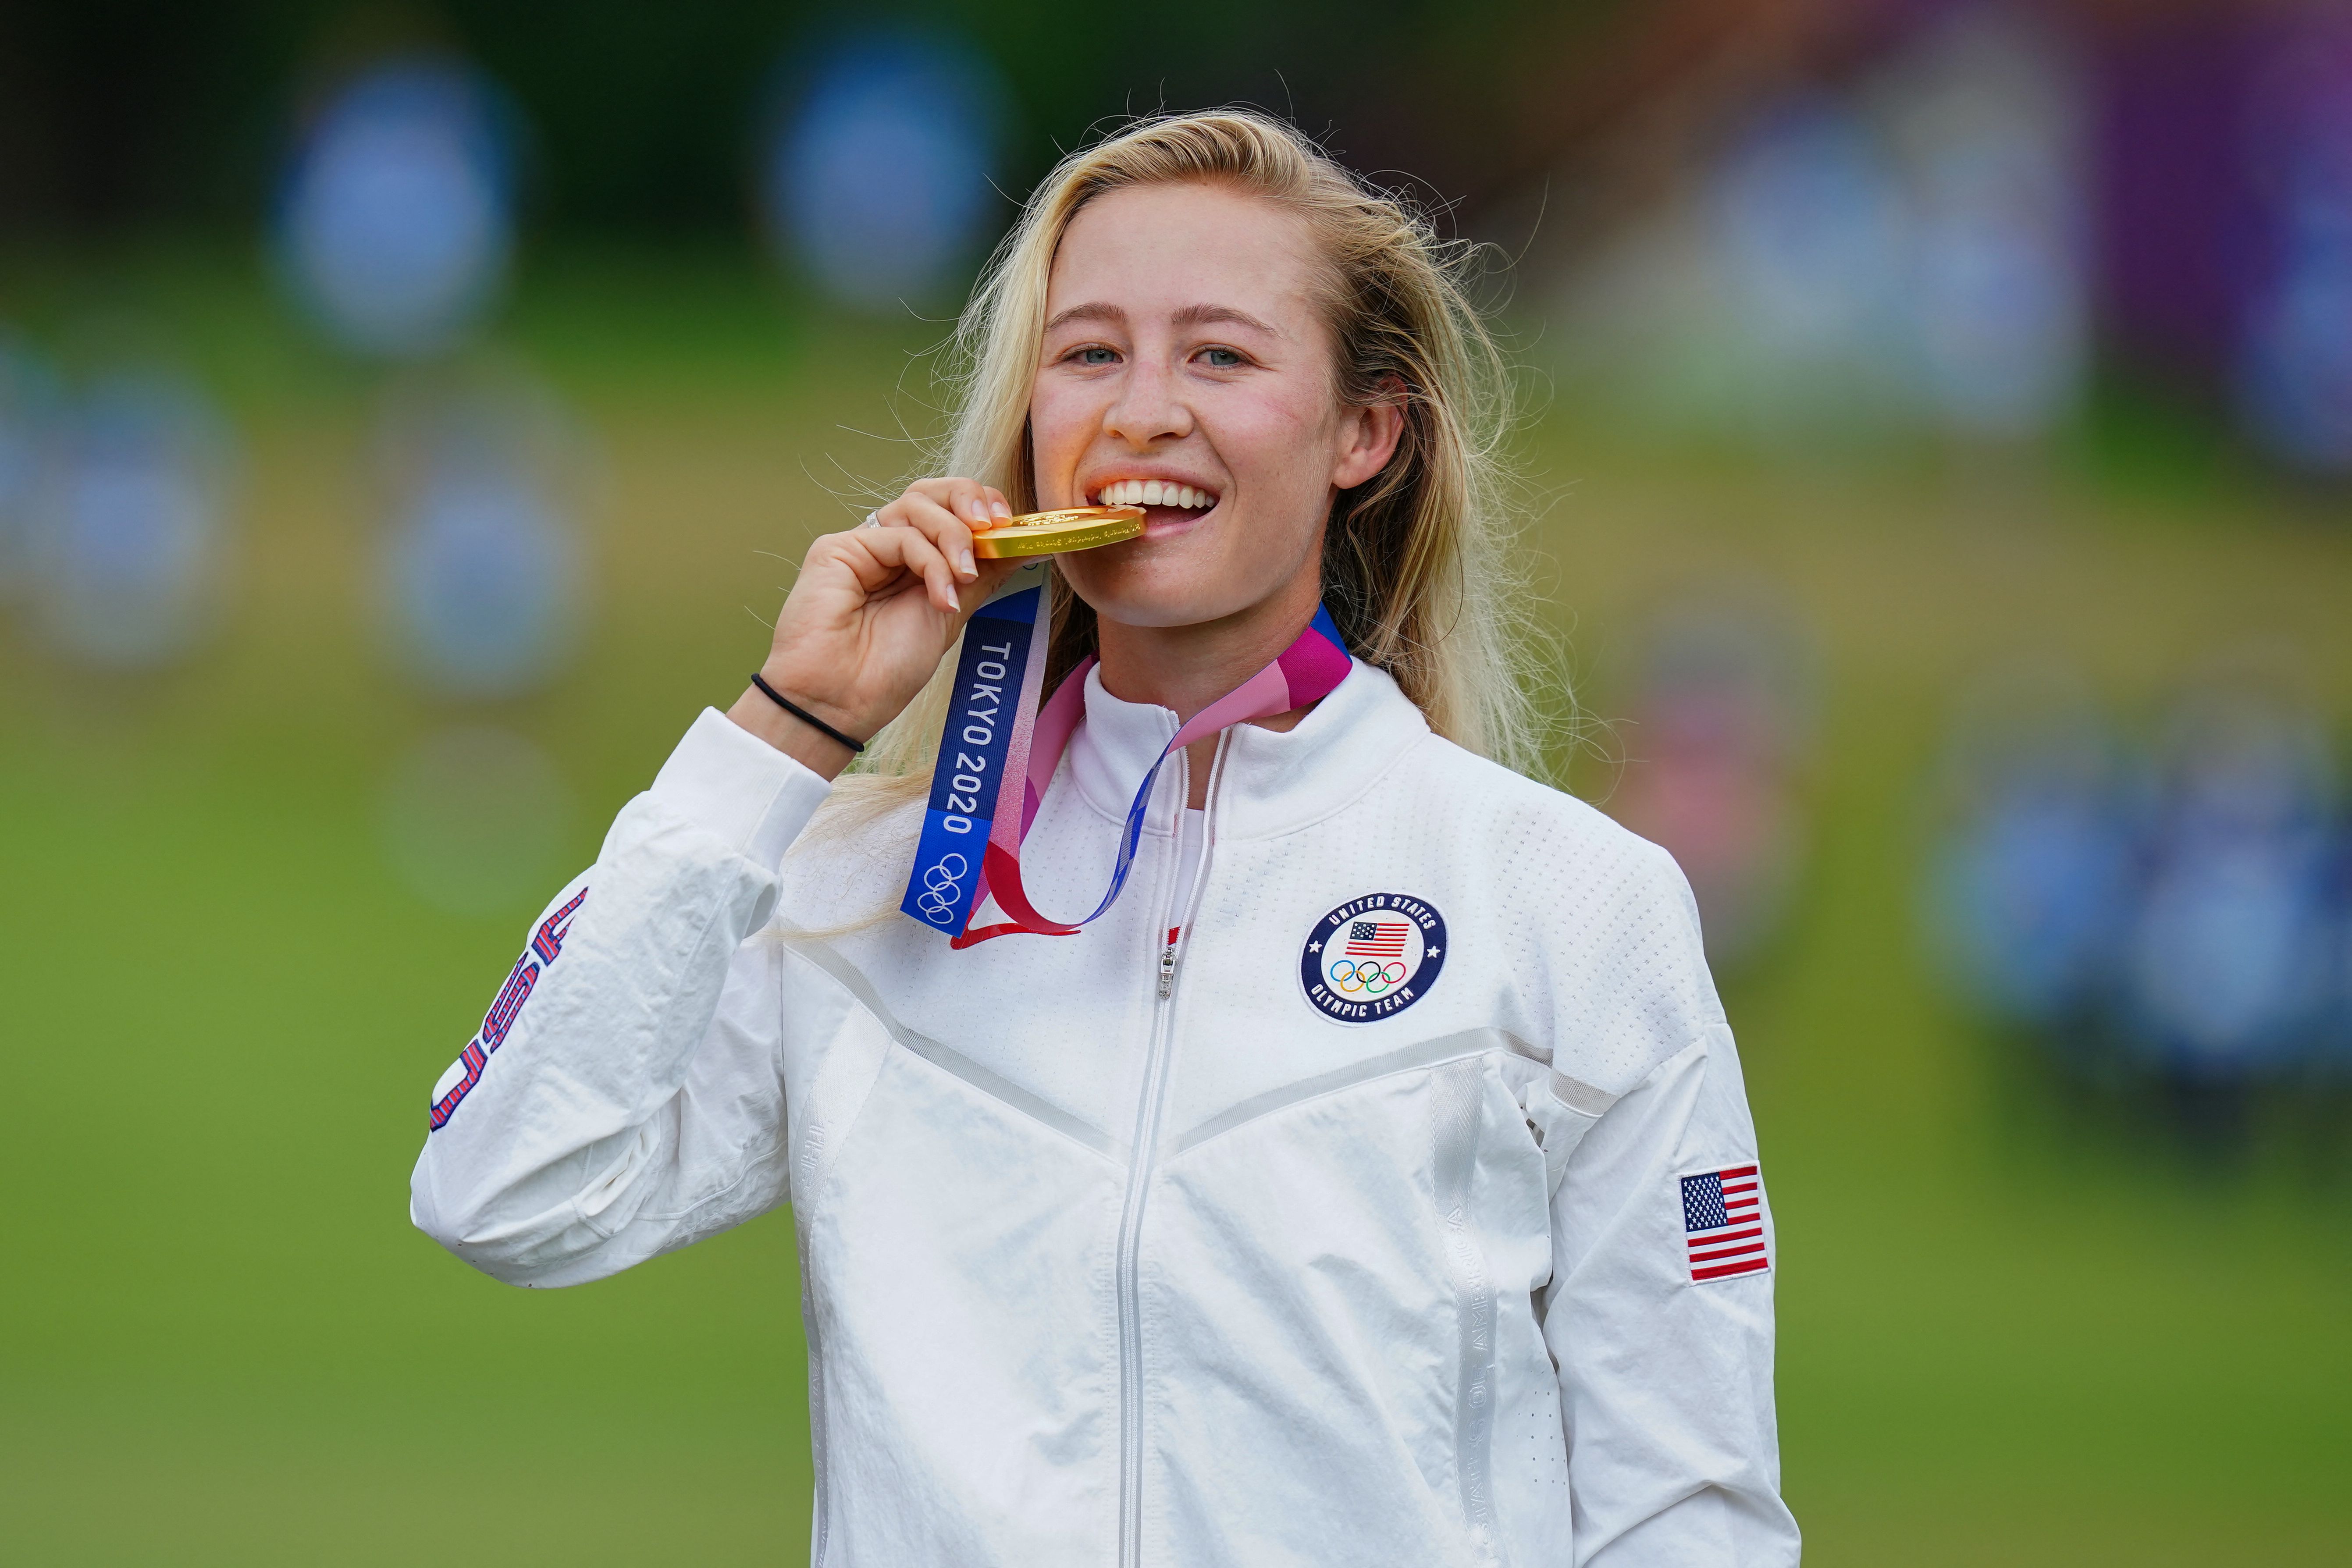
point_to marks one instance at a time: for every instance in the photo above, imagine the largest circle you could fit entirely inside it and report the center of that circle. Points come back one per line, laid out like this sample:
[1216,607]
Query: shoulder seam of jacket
[1657,1068]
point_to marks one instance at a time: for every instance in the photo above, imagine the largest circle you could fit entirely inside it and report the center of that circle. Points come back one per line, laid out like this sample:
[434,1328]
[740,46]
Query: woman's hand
[873,611]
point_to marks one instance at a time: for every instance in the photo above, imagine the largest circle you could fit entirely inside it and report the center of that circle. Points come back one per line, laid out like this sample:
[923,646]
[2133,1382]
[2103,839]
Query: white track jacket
[1383,1193]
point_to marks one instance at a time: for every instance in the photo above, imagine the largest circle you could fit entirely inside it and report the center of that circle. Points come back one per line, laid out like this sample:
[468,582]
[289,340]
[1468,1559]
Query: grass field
[2011,1334]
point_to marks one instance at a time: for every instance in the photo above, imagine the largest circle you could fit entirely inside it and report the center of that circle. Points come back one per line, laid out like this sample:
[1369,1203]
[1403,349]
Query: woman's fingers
[964,499]
[976,505]
[939,523]
[891,550]
[927,534]
[846,643]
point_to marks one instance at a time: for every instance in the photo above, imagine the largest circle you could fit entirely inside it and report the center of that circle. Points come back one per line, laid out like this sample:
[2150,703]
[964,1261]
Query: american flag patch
[1377,939]
[1723,1222]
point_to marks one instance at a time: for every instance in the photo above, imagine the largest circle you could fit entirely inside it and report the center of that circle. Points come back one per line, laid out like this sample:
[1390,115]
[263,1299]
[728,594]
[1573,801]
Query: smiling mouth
[1154,494]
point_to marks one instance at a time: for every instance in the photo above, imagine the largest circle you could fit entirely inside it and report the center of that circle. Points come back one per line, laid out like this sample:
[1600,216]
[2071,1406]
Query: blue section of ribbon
[1136,811]
[969,786]
[947,870]
[1138,808]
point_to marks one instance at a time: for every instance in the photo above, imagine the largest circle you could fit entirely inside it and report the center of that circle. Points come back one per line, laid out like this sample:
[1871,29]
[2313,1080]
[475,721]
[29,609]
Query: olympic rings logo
[937,900]
[1368,975]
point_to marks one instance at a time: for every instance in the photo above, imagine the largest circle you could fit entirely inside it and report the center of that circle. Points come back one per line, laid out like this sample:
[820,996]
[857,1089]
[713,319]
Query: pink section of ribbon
[1261,696]
[1314,663]
[1057,723]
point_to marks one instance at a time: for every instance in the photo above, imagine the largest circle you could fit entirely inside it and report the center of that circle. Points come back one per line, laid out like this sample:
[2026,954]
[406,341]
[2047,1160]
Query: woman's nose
[1148,407]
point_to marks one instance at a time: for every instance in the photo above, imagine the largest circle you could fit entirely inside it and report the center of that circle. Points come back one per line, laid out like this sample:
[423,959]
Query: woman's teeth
[1153,492]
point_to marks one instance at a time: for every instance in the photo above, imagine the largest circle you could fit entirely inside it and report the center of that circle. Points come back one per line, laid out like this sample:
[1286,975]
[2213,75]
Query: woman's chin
[1145,593]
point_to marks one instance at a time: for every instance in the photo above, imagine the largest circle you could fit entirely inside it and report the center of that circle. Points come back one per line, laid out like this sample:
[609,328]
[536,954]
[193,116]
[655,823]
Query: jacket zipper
[1138,1180]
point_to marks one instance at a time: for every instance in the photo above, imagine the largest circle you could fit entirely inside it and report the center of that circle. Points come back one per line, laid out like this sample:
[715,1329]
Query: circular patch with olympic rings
[1372,956]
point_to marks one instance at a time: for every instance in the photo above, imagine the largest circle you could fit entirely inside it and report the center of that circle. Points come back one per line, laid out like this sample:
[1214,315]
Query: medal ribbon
[993,765]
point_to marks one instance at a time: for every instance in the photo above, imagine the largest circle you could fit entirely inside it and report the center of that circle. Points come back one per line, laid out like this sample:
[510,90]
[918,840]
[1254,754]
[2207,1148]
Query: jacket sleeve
[1664,1348]
[624,1095]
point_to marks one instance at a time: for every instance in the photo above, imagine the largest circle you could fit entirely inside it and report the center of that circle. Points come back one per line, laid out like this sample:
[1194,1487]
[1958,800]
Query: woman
[1372,1182]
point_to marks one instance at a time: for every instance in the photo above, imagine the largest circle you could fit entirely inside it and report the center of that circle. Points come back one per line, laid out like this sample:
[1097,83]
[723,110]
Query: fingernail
[1001,510]
[963,563]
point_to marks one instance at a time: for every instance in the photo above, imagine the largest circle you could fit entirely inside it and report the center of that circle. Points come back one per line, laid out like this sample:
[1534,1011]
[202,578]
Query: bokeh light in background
[877,174]
[2295,363]
[1810,244]
[1985,114]
[1717,736]
[483,565]
[2165,910]
[396,222]
[2029,897]
[129,526]
[482,577]
[2228,955]
[1906,251]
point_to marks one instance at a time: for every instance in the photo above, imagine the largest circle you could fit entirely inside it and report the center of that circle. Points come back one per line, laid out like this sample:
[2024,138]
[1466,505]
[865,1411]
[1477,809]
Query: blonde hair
[1413,561]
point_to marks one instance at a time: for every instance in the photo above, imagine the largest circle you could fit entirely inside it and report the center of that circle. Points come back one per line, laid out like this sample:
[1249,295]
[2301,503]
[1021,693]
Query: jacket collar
[1270,782]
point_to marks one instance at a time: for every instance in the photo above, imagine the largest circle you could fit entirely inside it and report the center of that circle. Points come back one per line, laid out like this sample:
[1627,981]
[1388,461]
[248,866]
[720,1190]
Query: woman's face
[1185,359]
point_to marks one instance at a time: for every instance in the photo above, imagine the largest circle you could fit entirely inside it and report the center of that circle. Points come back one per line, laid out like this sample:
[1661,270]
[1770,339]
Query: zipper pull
[1167,964]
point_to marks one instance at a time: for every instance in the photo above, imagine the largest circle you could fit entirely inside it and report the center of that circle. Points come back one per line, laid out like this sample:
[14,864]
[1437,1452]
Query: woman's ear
[1369,436]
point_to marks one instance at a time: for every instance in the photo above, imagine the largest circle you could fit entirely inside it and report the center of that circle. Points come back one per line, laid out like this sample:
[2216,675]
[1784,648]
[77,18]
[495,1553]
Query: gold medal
[1056,533]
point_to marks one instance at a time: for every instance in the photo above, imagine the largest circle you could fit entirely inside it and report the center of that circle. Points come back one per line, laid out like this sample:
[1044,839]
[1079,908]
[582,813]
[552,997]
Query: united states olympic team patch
[1372,956]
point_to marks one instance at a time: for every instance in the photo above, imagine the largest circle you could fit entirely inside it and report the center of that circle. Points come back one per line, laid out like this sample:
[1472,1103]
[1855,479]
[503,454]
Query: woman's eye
[1222,359]
[1094,355]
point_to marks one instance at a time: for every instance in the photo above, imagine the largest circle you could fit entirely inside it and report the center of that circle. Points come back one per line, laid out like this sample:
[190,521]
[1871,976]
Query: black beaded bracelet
[804,716]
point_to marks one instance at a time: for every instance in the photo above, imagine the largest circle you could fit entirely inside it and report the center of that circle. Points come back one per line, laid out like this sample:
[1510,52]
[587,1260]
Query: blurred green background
[2020,1323]
[2005,1335]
